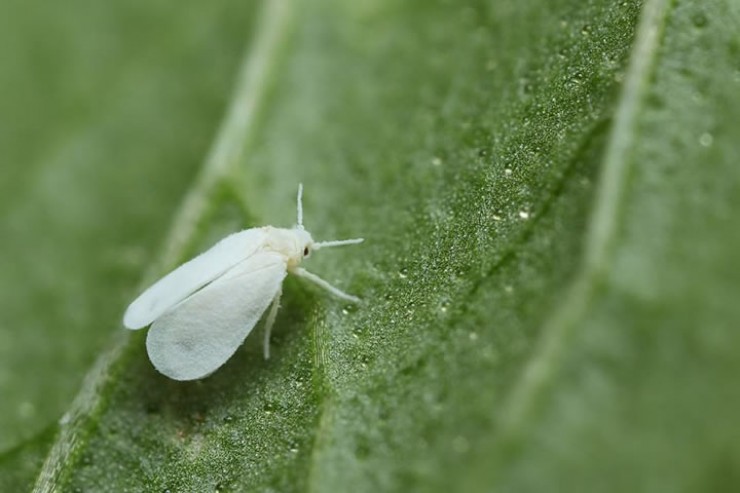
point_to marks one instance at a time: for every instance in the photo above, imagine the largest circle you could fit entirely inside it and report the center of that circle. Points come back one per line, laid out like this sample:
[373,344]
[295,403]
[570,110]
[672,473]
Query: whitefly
[201,312]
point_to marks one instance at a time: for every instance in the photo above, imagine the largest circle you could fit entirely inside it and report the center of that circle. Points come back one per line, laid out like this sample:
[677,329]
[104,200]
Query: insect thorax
[290,242]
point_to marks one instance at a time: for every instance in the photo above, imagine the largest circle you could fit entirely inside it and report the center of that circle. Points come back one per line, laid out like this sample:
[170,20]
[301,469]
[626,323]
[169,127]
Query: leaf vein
[521,403]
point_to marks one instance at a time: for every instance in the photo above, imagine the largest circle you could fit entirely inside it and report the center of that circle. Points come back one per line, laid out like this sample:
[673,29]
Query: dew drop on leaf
[706,139]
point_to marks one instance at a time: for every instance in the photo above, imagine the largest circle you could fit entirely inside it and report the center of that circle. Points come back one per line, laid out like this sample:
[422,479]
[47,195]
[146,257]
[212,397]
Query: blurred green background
[549,197]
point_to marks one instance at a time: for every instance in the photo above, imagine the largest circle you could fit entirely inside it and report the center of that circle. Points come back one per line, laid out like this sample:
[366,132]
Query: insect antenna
[300,206]
[334,243]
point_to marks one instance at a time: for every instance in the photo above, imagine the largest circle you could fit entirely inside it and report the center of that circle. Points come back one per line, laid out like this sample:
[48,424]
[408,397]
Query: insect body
[202,311]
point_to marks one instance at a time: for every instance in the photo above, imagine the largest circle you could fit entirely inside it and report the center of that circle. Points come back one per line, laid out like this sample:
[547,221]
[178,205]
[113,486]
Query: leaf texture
[548,196]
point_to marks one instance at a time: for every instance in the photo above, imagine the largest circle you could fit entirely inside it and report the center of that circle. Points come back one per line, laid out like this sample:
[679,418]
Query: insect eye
[306,252]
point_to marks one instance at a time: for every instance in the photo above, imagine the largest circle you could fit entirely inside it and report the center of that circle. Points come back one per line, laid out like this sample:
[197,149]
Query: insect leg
[271,321]
[301,272]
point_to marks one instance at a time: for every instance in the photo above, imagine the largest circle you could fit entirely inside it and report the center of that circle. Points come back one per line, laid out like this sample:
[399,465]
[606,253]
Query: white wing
[201,333]
[191,276]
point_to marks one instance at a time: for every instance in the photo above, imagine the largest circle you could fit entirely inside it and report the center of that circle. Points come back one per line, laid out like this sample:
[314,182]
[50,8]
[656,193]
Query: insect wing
[203,332]
[191,276]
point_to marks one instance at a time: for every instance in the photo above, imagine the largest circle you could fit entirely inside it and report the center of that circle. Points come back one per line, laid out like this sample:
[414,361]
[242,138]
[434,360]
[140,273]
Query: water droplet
[700,19]
[403,273]
[706,139]
[508,171]
[574,79]
[586,30]
[524,215]
[525,87]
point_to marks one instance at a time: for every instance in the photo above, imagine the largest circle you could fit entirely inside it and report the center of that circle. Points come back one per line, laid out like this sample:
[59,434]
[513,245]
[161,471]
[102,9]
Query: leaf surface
[548,196]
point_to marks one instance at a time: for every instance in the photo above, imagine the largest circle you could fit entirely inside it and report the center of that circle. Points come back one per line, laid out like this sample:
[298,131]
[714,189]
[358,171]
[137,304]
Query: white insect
[202,311]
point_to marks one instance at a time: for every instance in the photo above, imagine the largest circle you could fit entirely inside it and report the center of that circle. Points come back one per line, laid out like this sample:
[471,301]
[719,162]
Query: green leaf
[106,112]
[548,193]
